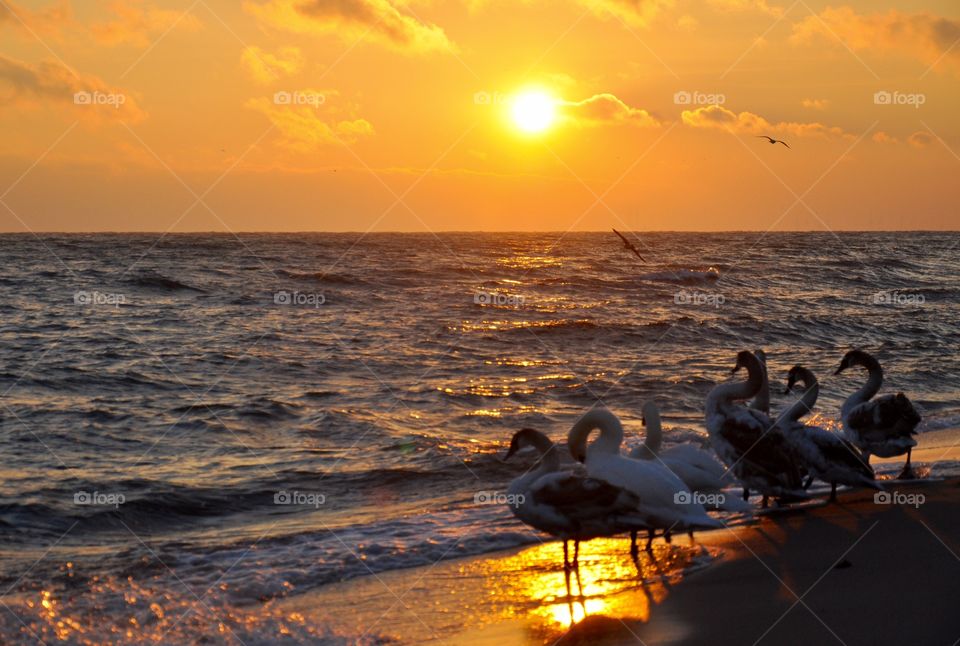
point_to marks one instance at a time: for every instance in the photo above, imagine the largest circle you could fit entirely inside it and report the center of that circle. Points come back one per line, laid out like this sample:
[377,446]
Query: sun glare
[533,111]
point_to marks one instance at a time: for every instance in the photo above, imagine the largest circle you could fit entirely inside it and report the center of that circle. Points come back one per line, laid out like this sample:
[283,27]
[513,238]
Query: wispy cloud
[305,127]
[716,116]
[925,36]
[138,24]
[605,109]
[50,83]
[264,67]
[376,20]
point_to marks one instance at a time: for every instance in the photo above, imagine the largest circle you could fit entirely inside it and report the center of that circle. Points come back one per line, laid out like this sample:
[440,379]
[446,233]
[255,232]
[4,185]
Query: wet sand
[857,572]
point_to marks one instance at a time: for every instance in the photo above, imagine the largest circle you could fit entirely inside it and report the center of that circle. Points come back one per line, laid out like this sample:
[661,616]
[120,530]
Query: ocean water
[194,426]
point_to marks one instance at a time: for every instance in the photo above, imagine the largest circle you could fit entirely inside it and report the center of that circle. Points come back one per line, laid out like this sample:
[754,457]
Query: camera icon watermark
[98,299]
[496,298]
[883,97]
[489,98]
[683,97]
[711,500]
[899,498]
[112,99]
[700,299]
[498,498]
[313,99]
[898,298]
[300,299]
[299,498]
[96,498]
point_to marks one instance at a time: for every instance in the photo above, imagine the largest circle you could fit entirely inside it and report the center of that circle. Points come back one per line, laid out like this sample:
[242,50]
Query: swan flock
[604,492]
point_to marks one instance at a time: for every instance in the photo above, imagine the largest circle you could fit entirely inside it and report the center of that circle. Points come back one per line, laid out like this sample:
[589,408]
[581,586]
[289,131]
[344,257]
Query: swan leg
[566,573]
[667,536]
[634,551]
[907,473]
[766,500]
[746,494]
[690,534]
[806,485]
[833,492]
[650,535]
[576,567]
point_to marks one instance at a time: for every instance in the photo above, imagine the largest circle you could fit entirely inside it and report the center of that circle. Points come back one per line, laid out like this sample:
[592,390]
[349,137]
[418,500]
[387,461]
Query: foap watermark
[314,99]
[883,97]
[112,99]
[683,97]
[299,498]
[899,498]
[713,500]
[489,98]
[498,498]
[496,298]
[98,299]
[700,299]
[898,298]
[300,299]
[97,498]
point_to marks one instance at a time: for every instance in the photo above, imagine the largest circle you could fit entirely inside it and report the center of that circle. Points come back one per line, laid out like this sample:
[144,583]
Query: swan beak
[508,455]
[839,370]
[786,391]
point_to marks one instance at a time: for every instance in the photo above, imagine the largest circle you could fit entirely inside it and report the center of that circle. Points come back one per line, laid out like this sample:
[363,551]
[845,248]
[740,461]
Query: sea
[197,426]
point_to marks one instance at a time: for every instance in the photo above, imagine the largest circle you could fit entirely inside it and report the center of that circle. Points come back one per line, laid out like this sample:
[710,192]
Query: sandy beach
[857,572]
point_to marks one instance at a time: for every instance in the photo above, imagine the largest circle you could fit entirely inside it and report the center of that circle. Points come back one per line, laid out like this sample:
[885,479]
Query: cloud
[48,21]
[882,137]
[139,25]
[603,109]
[377,20]
[716,116]
[638,13]
[50,82]
[815,104]
[924,36]
[746,5]
[920,139]
[305,127]
[265,67]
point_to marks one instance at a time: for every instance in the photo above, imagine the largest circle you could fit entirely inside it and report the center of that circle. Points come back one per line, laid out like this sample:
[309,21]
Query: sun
[533,111]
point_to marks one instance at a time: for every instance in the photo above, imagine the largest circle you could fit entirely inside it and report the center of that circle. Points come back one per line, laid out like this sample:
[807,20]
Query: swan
[566,504]
[826,455]
[697,468]
[665,501]
[762,400]
[881,426]
[749,442]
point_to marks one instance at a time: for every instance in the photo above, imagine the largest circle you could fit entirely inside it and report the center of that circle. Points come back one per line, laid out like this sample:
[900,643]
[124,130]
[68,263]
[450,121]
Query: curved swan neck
[654,435]
[738,390]
[809,398]
[611,433]
[762,400]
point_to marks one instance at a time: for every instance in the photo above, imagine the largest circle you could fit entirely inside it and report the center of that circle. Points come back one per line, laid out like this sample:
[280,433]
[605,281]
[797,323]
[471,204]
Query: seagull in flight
[772,140]
[629,245]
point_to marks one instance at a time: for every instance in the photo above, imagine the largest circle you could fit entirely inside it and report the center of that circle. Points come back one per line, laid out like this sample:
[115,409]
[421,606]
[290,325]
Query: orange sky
[385,115]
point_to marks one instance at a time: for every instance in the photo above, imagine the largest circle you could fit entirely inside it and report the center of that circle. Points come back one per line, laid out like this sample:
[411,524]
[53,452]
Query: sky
[408,115]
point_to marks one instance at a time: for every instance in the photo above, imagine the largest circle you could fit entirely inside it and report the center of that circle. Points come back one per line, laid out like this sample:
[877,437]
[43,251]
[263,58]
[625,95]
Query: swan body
[749,441]
[567,504]
[826,455]
[664,500]
[882,426]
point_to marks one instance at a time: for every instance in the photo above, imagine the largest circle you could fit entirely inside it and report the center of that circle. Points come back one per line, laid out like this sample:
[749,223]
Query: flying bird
[629,245]
[773,141]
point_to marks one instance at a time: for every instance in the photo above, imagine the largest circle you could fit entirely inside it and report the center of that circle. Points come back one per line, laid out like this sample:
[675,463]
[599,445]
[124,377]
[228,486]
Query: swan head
[857,358]
[527,438]
[745,359]
[650,413]
[799,373]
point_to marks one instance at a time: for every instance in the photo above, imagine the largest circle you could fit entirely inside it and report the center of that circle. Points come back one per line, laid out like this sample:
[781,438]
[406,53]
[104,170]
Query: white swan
[762,400]
[749,442]
[566,504]
[883,426]
[826,455]
[665,501]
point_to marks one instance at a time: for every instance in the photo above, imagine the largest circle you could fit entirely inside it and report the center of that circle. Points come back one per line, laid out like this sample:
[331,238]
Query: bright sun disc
[533,111]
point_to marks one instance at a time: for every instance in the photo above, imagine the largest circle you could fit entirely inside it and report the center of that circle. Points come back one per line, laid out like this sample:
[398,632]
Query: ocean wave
[157,281]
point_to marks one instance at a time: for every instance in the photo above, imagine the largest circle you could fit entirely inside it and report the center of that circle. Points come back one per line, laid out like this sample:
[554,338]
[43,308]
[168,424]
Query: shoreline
[864,573]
